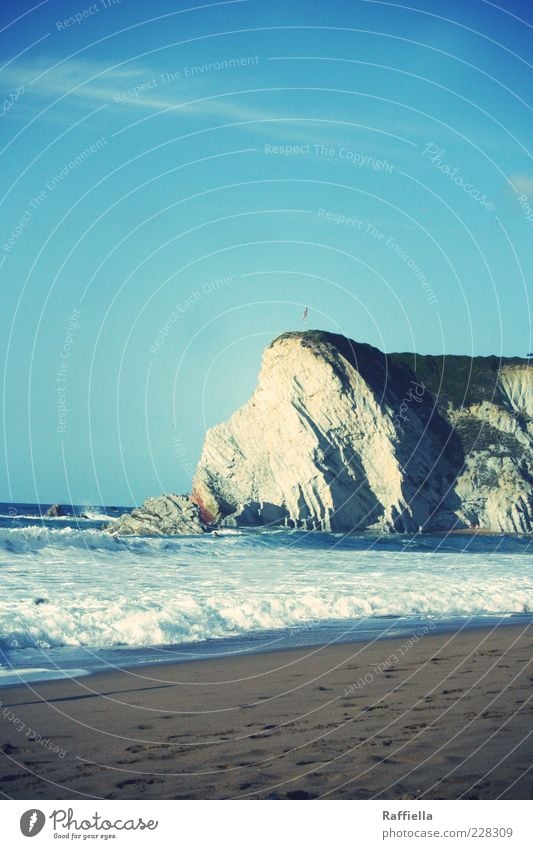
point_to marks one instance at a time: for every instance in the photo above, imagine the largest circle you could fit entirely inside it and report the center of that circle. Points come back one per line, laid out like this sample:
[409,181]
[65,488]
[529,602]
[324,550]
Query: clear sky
[180,179]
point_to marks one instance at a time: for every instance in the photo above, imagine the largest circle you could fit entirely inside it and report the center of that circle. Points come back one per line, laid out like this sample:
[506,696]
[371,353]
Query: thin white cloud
[136,92]
[77,78]
[522,183]
[124,86]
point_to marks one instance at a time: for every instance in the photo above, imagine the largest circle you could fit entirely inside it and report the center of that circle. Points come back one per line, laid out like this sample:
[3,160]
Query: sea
[76,600]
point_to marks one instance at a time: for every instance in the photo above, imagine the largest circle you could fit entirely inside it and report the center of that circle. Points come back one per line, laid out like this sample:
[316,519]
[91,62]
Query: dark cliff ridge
[340,436]
[450,378]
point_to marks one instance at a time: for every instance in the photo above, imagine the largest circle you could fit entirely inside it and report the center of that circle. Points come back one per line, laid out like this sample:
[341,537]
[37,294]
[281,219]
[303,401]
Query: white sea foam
[31,538]
[29,517]
[65,587]
[24,674]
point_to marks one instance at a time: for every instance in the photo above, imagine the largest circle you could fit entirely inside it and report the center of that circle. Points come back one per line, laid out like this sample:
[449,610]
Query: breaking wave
[70,587]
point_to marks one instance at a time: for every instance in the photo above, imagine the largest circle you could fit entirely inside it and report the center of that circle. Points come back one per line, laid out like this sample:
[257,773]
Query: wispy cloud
[127,87]
[522,183]
[72,77]
[136,92]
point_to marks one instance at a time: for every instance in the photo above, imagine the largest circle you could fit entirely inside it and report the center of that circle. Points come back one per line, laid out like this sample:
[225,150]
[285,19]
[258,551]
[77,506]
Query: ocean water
[75,599]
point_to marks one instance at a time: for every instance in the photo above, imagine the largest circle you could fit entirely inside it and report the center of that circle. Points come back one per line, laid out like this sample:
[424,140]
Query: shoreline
[444,717]
[247,646]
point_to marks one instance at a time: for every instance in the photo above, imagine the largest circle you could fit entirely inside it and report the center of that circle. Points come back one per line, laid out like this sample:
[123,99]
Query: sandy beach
[437,716]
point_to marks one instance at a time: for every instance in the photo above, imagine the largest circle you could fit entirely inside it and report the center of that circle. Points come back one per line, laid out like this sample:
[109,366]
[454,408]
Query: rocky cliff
[339,436]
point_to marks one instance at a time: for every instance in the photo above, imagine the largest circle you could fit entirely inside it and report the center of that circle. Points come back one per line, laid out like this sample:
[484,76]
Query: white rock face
[338,436]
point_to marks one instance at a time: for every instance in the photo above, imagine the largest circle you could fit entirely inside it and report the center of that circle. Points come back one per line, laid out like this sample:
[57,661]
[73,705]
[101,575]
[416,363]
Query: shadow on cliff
[427,445]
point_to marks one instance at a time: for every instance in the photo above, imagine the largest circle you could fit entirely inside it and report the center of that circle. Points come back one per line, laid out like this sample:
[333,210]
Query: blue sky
[178,181]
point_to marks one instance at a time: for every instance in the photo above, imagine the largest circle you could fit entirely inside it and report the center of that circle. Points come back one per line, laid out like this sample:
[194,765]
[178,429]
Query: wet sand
[446,717]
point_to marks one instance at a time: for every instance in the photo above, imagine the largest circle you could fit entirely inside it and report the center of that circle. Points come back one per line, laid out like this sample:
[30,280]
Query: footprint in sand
[138,781]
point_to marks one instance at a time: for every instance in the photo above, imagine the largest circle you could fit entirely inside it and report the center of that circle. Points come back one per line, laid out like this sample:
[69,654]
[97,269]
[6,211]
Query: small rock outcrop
[339,436]
[55,511]
[161,516]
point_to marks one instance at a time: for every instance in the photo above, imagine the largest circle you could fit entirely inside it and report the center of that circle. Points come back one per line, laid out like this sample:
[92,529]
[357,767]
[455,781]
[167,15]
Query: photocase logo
[32,822]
